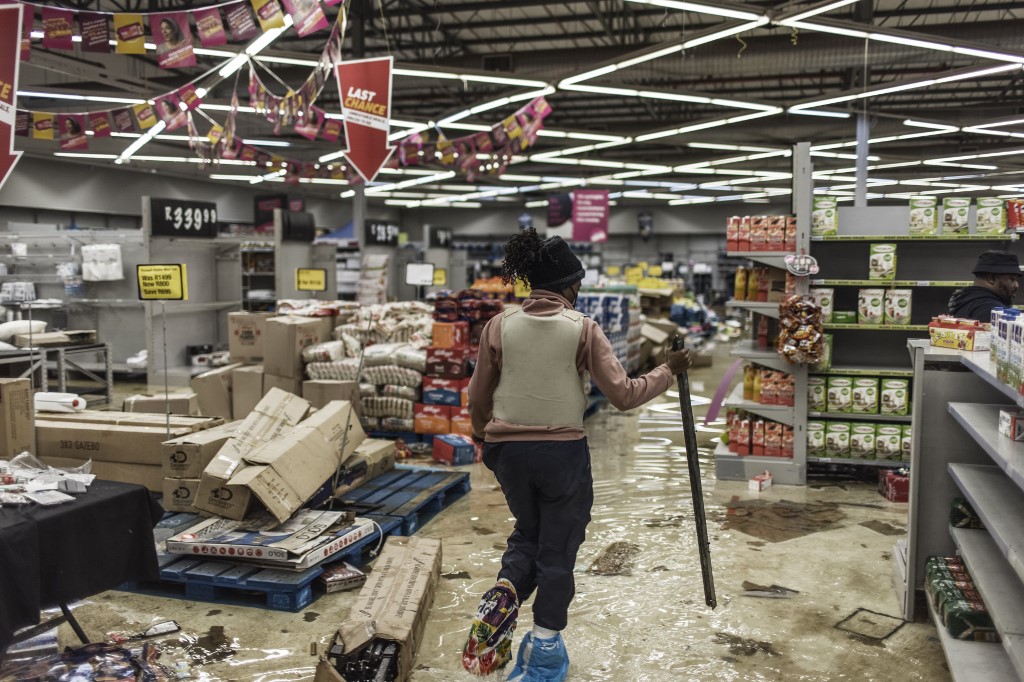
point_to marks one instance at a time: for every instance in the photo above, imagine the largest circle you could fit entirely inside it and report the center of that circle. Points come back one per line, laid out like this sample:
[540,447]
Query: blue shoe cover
[540,660]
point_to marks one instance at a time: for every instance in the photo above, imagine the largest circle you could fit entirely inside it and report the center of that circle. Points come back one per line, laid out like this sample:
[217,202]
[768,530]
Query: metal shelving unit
[765,358]
[1008,236]
[775,259]
[857,461]
[767,309]
[861,417]
[779,413]
[880,283]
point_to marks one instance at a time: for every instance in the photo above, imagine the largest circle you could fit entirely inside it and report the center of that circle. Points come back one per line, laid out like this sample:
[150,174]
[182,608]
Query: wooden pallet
[229,582]
[414,494]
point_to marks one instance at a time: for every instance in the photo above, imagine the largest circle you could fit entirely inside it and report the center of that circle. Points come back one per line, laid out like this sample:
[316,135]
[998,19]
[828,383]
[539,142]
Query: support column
[860,197]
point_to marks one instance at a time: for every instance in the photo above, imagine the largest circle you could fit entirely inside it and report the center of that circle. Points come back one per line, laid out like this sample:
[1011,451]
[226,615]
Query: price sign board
[311,279]
[440,277]
[177,218]
[521,289]
[381,234]
[162,282]
[440,238]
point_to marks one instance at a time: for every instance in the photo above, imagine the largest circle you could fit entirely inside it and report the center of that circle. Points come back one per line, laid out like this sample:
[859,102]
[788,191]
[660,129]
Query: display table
[65,358]
[50,556]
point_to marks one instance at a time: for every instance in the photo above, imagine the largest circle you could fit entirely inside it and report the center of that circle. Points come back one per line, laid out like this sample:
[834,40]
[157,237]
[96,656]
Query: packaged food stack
[612,314]
[767,387]
[1015,214]
[858,440]
[957,601]
[758,437]
[761,233]
[945,331]
[800,330]
[446,383]
[390,385]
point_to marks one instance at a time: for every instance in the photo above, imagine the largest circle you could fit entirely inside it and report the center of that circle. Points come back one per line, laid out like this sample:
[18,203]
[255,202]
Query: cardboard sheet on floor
[780,521]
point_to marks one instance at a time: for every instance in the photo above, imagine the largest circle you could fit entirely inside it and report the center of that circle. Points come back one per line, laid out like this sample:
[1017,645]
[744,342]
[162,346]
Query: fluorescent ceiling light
[729,147]
[912,42]
[138,144]
[701,8]
[225,107]
[84,155]
[822,9]
[705,125]
[223,176]
[825,28]
[818,112]
[268,143]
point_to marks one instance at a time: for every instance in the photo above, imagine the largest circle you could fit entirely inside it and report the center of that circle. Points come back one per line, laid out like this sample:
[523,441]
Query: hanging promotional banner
[590,215]
[57,28]
[365,88]
[210,27]
[173,38]
[95,32]
[559,209]
[130,34]
[307,17]
[10,59]
[72,131]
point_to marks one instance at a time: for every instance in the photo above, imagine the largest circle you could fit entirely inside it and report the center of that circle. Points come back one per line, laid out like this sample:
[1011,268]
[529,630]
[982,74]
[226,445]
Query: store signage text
[311,279]
[176,218]
[162,282]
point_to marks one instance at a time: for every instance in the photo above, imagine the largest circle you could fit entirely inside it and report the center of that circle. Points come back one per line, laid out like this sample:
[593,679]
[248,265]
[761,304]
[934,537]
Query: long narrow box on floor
[306,539]
[384,629]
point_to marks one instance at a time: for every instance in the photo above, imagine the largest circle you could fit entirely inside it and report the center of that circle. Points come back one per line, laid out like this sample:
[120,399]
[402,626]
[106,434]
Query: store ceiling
[705,108]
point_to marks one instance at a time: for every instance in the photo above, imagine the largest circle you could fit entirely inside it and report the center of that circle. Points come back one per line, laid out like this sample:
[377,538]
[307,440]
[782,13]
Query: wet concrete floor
[825,548]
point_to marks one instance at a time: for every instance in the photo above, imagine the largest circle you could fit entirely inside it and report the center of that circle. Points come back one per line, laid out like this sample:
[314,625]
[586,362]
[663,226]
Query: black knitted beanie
[557,267]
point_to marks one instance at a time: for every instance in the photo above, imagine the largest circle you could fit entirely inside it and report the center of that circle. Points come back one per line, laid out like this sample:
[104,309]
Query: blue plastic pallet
[414,494]
[243,584]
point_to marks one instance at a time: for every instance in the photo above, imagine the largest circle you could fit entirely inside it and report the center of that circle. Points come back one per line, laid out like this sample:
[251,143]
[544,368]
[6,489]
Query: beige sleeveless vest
[539,384]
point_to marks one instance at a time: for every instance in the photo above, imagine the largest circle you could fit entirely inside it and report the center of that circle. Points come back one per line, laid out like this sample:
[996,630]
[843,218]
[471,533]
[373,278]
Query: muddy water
[650,625]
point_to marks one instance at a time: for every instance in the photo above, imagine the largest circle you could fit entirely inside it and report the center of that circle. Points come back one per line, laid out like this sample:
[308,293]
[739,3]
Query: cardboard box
[837,439]
[450,335]
[454,449]
[815,439]
[54,339]
[894,397]
[437,391]
[272,417]
[284,339]
[177,421]
[177,403]
[840,394]
[760,483]
[340,577]
[372,458]
[17,418]
[1011,424]
[321,392]
[393,605]
[246,389]
[897,487]
[187,456]
[125,444]
[285,472]
[862,441]
[245,335]
[462,423]
[447,363]
[179,493]
[432,419]
[145,475]
[214,391]
[291,385]
[865,395]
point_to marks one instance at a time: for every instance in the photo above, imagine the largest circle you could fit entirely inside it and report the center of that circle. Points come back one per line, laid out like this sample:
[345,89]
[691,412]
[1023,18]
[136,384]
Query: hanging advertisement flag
[27,23]
[173,39]
[210,27]
[332,3]
[307,16]
[10,49]
[95,32]
[22,123]
[144,115]
[189,97]
[99,123]
[42,125]
[268,13]
[365,88]
[331,130]
[590,215]
[240,22]
[123,120]
[310,122]
[130,34]
[168,109]
[72,131]
[57,31]
[559,209]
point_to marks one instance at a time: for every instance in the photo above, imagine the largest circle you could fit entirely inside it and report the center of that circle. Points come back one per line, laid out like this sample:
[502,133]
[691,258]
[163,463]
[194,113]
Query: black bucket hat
[997,263]
[556,268]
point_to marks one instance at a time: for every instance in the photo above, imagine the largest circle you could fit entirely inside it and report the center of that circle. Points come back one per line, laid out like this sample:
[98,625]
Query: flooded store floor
[802,575]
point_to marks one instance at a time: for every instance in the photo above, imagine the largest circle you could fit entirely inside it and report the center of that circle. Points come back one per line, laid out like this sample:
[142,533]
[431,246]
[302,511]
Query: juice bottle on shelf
[755,395]
[740,287]
[993,350]
[748,382]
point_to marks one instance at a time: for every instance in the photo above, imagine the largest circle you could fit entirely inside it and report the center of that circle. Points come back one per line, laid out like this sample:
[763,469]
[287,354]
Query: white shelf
[999,505]
[973,661]
[722,452]
[885,463]
[981,364]
[779,413]
[775,259]
[182,307]
[767,309]
[1006,236]
[1000,588]
[864,370]
[882,283]
[861,416]
[768,358]
[982,423]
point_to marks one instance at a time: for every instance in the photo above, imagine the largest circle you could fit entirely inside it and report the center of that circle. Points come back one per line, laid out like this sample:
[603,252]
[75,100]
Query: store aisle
[829,542]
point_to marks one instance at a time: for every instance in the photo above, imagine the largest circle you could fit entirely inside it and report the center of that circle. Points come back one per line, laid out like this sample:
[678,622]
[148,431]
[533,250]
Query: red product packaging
[759,233]
[787,442]
[432,419]
[447,363]
[743,234]
[461,422]
[455,449]
[791,233]
[785,390]
[733,421]
[743,436]
[732,228]
[897,487]
[776,233]
[773,439]
[451,334]
[757,438]
[769,388]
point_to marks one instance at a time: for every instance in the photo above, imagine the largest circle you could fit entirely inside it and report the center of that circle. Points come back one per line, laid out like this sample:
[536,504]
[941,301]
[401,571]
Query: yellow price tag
[166,282]
[311,279]
[654,271]
[403,238]
[440,277]
[644,265]
[651,283]
[521,289]
[613,271]
[634,275]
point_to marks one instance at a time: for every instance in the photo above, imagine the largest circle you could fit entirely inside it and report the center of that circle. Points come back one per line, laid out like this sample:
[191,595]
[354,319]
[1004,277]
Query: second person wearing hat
[996,280]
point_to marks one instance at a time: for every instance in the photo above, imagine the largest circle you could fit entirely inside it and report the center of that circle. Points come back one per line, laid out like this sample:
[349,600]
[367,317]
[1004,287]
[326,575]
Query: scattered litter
[93,663]
[460,575]
[782,520]
[745,647]
[870,625]
[674,521]
[883,527]
[770,592]
[616,559]
[480,530]
[164,628]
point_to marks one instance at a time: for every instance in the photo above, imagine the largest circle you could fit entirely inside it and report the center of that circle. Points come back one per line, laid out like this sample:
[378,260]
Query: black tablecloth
[50,555]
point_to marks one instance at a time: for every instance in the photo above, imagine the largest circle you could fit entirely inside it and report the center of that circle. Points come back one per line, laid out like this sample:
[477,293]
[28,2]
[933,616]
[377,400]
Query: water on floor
[802,577]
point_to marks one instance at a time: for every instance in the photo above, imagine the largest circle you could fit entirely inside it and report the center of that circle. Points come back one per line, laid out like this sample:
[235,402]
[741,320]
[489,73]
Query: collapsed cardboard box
[187,456]
[174,403]
[146,475]
[246,389]
[372,458]
[17,418]
[321,392]
[214,391]
[133,419]
[392,607]
[121,443]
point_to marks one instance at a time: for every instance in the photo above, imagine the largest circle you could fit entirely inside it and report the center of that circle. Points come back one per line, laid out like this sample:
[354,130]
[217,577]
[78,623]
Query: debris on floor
[92,663]
[884,528]
[616,559]
[164,628]
[870,625]
[742,646]
[782,520]
[770,592]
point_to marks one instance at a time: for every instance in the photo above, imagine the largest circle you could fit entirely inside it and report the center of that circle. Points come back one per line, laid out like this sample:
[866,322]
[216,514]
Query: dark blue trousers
[549,489]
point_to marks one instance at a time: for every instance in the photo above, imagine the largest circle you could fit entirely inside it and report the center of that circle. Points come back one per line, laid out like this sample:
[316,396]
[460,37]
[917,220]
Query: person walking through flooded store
[526,399]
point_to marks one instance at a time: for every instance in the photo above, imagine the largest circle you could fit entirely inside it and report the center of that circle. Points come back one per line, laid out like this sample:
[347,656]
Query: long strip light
[141,142]
[410,183]
[702,8]
[706,124]
[821,9]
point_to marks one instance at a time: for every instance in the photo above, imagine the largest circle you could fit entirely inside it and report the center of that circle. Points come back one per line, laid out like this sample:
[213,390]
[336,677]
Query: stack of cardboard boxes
[446,383]
[184,459]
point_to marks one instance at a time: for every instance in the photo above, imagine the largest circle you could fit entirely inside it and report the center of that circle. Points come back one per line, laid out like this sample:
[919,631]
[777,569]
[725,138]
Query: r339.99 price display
[176,218]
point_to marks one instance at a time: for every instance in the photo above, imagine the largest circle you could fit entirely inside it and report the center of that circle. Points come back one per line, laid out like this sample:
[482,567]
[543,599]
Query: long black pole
[692,461]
